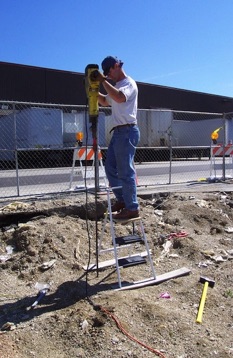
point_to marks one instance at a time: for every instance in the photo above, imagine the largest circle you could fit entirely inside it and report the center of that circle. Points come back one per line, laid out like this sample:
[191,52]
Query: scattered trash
[47,265]
[7,256]
[165,295]
[17,205]
[4,258]
[167,243]
[43,289]
[205,264]
[84,325]
[208,253]
[9,249]
[219,259]
[158,212]
[174,256]
[177,234]
[10,228]
[8,326]
[202,203]
[222,257]
[42,286]
[229,229]
[166,248]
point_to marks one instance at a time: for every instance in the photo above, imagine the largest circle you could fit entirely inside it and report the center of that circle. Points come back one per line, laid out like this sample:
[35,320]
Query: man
[119,164]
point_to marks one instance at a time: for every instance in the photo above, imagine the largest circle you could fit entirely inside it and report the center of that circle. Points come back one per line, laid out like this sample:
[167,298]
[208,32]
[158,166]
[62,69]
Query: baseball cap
[109,62]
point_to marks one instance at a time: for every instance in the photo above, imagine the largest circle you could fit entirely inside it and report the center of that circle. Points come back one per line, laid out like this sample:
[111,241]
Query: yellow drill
[92,90]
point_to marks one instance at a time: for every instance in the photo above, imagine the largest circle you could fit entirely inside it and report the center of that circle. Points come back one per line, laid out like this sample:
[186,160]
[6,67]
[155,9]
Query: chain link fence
[37,144]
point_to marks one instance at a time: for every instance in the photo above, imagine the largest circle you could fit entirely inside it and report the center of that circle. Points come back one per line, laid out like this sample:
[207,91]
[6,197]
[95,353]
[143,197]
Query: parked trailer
[47,136]
[162,128]
[166,134]
[40,135]
[30,128]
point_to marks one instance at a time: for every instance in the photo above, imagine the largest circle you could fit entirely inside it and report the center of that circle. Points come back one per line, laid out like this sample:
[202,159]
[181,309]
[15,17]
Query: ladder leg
[101,166]
[148,250]
[102,232]
[113,238]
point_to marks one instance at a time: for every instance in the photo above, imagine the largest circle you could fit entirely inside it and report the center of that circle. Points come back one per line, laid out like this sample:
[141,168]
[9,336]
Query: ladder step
[131,261]
[126,221]
[129,239]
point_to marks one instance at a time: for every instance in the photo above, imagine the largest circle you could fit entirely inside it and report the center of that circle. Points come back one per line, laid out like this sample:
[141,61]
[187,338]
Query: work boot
[118,206]
[126,214]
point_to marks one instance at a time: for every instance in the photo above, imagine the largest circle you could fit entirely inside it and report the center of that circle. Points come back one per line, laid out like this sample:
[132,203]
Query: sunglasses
[106,71]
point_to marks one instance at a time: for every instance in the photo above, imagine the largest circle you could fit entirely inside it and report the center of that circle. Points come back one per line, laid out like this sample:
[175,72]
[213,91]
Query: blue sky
[177,43]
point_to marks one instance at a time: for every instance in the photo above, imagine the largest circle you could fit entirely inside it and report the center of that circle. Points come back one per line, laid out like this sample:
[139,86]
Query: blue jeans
[119,165]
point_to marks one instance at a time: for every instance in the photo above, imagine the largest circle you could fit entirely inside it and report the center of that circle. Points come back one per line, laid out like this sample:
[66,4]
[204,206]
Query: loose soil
[46,243]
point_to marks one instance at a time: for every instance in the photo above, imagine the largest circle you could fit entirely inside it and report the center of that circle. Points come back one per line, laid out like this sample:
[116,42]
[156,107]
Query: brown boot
[118,206]
[126,214]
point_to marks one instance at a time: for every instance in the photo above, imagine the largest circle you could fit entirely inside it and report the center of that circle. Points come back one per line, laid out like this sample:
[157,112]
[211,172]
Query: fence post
[170,149]
[16,150]
[224,146]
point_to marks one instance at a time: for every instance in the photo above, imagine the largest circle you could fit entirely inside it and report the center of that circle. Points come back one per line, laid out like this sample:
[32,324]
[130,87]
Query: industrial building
[43,85]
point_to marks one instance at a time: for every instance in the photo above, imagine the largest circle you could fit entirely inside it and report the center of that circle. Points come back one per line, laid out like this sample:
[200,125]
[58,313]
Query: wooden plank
[111,262]
[159,279]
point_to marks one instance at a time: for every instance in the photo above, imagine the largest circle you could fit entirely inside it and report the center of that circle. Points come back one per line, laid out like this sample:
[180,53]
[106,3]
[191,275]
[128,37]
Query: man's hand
[97,76]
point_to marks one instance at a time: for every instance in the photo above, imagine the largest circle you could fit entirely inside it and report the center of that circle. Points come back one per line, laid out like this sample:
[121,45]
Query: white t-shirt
[125,112]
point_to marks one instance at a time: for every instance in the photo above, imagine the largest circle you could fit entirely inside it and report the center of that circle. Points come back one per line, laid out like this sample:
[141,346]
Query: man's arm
[102,100]
[113,92]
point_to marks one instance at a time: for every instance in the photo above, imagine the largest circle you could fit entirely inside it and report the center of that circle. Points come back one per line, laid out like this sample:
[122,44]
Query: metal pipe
[224,146]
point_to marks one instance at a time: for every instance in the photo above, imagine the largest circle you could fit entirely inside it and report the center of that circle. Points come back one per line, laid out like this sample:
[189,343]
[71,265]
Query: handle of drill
[202,303]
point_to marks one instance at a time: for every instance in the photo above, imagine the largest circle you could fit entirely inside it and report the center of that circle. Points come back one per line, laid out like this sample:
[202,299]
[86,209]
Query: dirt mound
[44,245]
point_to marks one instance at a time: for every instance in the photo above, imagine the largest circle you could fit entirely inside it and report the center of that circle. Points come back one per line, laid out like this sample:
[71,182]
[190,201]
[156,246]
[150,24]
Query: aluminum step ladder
[131,243]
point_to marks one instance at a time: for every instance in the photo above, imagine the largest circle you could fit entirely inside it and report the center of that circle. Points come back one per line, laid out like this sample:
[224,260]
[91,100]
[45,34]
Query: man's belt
[123,125]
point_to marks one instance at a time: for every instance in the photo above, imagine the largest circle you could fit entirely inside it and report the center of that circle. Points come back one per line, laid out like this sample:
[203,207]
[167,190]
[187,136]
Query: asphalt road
[34,181]
[62,175]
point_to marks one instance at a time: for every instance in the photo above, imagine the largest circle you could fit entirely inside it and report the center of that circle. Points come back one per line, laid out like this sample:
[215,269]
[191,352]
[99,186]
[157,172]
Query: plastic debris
[43,289]
[165,295]
[9,249]
[174,256]
[84,325]
[8,326]
[158,212]
[4,258]
[229,229]
[47,265]
[7,256]
[41,286]
[202,203]
[166,248]
[219,258]
[205,264]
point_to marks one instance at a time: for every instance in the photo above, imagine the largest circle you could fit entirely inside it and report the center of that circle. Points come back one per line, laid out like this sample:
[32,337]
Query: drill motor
[92,89]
